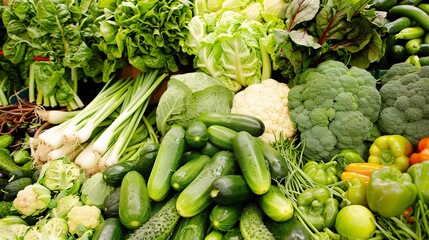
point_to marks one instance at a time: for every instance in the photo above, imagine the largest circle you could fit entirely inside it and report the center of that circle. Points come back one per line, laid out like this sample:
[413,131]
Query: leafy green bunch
[335,108]
[54,40]
[342,30]
[148,33]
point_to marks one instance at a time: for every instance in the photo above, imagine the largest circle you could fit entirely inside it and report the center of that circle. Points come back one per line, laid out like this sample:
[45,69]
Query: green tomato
[355,222]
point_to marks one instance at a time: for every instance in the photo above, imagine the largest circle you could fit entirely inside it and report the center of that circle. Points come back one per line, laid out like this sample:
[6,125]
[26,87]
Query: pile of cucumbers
[407,36]
[211,179]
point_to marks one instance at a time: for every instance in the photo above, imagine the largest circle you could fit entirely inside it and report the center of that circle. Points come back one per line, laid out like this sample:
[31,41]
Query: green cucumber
[221,136]
[423,50]
[223,218]
[233,234]
[13,187]
[424,61]
[398,24]
[109,229]
[111,203]
[413,13]
[384,5]
[6,209]
[114,173]
[276,162]
[410,33]
[209,149]
[6,140]
[252,225]
[397,53]
[196,134]
[134,201]
[160,225]
[21,156]
[252,163]
[237,122]
[409,2]
[292,229]
[6,162]
[231,189]
[167,161]
[196,196]
[189,155]
[188,172]
[412,47]
[214,235]
[193,228]
[276,205]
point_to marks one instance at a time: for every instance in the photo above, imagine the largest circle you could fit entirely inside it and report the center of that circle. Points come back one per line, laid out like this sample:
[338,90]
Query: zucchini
[109,229]
[6,162]
[196,196]
[160,225]
[412,47]
[397,25]
[167,161]
[188,172]
[196,134]
[221,136]
[410,33]
[413,12]
[231,189]
[252,225]
[134,201]
[234,121]
[13,187]
[423,50]
[384,5]
[276,162]
[189,155]
[6,140]
[292,229]
[111,203]
[223,218]
[209,149]
[214,235]
[276,205]
[252,163]
[193,228]
[409,2]
[233,234]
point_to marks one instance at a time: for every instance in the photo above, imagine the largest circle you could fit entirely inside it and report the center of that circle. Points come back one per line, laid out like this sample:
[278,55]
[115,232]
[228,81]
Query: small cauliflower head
[60,174]
[32,200]
[267,101]
[83,218]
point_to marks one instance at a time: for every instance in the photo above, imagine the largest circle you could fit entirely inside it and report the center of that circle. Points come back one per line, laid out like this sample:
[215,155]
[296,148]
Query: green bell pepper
[420,174]
[356,192]
[319,207]
[323,173]
[390,192]
[391,150]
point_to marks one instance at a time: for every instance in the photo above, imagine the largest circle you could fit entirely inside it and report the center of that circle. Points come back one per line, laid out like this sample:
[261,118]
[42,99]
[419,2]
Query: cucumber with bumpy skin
[251,224]
[160,225]
[167,161]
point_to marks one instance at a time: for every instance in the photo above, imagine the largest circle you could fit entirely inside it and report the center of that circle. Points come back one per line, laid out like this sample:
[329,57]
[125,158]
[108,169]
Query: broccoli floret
[334,108]
[405,99]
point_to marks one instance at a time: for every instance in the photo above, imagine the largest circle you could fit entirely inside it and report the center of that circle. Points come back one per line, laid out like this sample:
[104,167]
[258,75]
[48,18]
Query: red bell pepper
[422,153]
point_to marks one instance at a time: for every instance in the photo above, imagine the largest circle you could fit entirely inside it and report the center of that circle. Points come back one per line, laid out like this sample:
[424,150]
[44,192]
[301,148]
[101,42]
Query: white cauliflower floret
[267,101]
[32,200]
[83,218]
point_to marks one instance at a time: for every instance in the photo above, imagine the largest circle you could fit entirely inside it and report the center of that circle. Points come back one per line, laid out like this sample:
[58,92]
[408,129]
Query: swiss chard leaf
[301,11]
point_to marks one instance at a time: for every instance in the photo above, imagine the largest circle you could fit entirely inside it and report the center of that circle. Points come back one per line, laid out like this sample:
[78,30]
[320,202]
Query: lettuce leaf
[187,96]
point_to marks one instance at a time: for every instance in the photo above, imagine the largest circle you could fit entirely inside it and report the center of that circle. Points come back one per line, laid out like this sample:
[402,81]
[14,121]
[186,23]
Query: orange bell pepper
[359,170]
[422,153]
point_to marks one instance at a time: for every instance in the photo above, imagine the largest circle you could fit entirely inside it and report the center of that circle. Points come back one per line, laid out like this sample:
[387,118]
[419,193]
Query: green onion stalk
[298,181]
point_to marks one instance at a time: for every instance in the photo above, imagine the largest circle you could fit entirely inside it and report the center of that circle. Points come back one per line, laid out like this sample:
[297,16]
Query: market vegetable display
[279,130]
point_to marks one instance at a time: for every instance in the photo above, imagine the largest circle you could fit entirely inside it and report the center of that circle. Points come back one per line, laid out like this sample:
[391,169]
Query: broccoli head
[334,108]
[405,102]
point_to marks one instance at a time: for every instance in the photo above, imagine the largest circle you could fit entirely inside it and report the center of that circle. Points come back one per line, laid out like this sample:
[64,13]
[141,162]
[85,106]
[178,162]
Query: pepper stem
[386,157]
